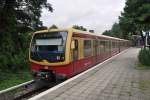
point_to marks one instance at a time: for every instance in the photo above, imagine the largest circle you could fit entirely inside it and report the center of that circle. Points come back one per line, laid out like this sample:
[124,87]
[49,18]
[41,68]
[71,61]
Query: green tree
[17,19]
[115,31]
[136,17]
[79,27]
[107,32]
[53,27]
[92,31]
[42,28]
[21,13]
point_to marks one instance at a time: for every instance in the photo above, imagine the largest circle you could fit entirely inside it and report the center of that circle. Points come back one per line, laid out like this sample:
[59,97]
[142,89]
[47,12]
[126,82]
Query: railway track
[23,91]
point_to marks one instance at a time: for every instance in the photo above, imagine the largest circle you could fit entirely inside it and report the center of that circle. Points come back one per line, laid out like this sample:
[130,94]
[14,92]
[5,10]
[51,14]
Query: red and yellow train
[59,54]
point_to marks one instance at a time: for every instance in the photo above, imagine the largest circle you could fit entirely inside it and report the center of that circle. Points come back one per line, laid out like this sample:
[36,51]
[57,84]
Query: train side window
[116,44]
[97,47]
[76,45]
[113,44]
[94,47]
[87,48]
[110,45]
[100,47]
[106,44]
[75,51]
[103,46]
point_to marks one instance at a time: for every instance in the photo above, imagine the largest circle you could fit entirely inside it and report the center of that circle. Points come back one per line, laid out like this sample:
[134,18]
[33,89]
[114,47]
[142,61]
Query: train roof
[103,36]
[83,32]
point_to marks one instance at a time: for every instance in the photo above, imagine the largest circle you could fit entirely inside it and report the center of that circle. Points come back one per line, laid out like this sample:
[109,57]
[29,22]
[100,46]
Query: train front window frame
[49,46]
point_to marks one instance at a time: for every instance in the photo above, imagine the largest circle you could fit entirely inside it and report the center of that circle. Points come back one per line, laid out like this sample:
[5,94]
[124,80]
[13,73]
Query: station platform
[114,79]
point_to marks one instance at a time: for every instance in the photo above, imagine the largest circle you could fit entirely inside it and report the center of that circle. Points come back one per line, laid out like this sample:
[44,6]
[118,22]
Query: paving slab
[116,79]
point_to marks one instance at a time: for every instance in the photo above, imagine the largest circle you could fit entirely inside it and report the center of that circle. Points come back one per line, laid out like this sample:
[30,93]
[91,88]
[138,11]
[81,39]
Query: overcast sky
[93,14]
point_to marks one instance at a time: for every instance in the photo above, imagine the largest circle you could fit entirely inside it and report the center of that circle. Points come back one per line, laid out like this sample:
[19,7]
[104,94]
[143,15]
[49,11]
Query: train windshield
[49,46]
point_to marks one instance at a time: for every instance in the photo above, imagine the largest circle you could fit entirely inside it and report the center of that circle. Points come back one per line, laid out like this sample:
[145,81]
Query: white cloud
[93,14]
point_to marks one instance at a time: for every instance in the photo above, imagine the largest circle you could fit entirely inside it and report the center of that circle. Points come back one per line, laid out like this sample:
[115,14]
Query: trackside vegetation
[18,19]
[9,79]
[14,69]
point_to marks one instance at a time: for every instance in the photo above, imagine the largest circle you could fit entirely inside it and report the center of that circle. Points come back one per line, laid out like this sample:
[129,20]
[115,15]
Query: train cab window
[49,46]
[87,48]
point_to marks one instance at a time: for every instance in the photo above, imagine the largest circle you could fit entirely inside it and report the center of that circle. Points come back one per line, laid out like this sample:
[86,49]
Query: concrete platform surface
[116,79]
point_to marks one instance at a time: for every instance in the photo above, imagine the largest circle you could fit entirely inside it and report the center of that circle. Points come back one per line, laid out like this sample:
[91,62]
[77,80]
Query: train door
[75,56]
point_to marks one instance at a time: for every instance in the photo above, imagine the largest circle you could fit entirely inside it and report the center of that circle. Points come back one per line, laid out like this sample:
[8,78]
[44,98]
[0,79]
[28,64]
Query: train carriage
[60,54]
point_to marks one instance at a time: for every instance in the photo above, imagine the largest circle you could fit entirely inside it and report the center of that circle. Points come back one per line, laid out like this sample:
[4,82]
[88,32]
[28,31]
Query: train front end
[49,55]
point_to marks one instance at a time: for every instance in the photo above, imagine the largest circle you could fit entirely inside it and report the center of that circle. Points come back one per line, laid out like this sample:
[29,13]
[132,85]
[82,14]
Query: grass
[129,93]
[144,84]
[142,67]
[114,85]
[9,79]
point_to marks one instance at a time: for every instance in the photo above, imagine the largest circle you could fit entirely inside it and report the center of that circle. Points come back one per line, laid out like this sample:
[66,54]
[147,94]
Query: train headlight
[45,67]
[46,76]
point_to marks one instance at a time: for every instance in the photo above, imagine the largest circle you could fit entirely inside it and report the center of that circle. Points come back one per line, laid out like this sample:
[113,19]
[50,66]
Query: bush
[144,57]
[14,52]
[19,61]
